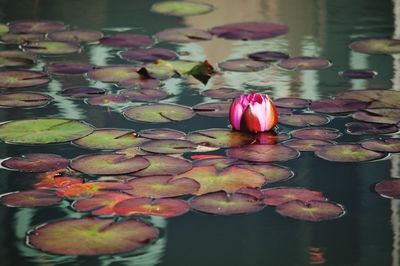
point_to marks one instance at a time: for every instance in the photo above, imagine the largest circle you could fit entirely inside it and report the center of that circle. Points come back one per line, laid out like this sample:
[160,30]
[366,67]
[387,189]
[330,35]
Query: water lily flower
[253,113]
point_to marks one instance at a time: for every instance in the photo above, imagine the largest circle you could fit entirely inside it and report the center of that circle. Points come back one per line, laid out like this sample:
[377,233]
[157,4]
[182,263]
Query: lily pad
[242,65]
[359,74]
[43,130]
[164,165]
[307,144]
[389,188]
[216,109]
[149,55]
[223,93]
[166,208]
[16,58]
[268,56]
[91,236]
[168,146]
[158,113]
[263,153]
[69,68]
[221,203]
[75,36]
[314,211]
[347,153]
[220,137]
[100,204]
[334,106]
[144,94]
[166,69]
[82,92]
[162,133]
[292,102]
[183,35]
[3,29]
[304,63]
[361,128]
[127,40]
[110,139]
[108,164]
[141,83]
[36,162]
[107,100]
[270,137]
[24,99]
[376,46]
[382,145]
[162,187]
[303,120]
[272,173]
[35,26]
[113,73]
[249,30]
[50,48]
[229,179]
[378,115]
[20,38]
[89,189]
[322,133]
[279,195]
[58,179]
[181,9]
[29,198]
[22,78]
[377,98]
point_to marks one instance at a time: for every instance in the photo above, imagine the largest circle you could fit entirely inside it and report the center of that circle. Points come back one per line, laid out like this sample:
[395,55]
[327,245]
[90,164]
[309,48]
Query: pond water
[369,231]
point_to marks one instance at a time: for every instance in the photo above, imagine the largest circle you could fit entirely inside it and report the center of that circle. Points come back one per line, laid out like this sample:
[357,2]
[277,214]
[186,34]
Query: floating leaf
[16,58]
[144,94]
[181,9]
[202,72]
[322,133]
[75,36]
[279,195]
[359,74]
[216,109]
[374,98]
[313,211]
[166,69]
[57,179]
[378,115]
[249,30]
[166,208]
[164,165]
[292,102]
[36,26]
[304,63]
[303,120]
[268,56]
[382,145]
[89,189]
[271,137]
[334,106]
[307,144]
[389,188]
[114,73]
[24,99]
[376,46]
[107,100]
[19,38]
[110,139]
[284,111]
[148,55]
[141,83]
[168,146]
[127,40]
[43,130]
[82,92]
[161,133]
[68,68]
[263,153]
[162,187]
[242,65]
[223,93]
[29,198]
[158,113]
[91,236]
[108,164]
[36,162]
[100,204]
[183,35]
[3,29]
[22,78]
[360,128]
[222,203]
[272,173]
[347,153]
[50,48]
[220,137]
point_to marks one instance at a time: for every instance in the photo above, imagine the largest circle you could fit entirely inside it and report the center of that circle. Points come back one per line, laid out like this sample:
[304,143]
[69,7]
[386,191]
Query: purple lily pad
[168,146]
[158,113]
[359,74]
[263,153]
[82,92]
[163,165]
[220,137]
[279,195]
[50,48]
[36,26]
[183,35]
[361,128]
[322,133]
[304,63]
[378,115]
[303,120]
[268,56]
[307,144]
[314,211]
[75,36]
[377,98]
[108,164]
[24,99]
[334,106]
[127,40]
[91,236]
[68,68]
[16,58]
[347,153]
[149,55]
[291,102]
[376,46]
[272,173]
[161,133]
[389,188]
[140,83]
[20,38]
[36,162]
[22,78]
[249,30]
[382,145]
[181,9]
[144,94]
[283,111]
[223,93]
[216,109]
[271,137]
[162,187]
[113,73]
[107,100]
[29,198]
[243,65]
[222,203]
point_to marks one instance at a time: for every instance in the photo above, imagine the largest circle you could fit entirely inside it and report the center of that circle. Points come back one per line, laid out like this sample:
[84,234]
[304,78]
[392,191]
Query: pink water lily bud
[253,113]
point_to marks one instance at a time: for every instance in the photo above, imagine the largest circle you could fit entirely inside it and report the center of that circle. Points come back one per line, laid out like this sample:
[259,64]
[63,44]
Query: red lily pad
[35,26]
[36,162]
[181,9]
[268,56]
[334,106]
[107,100]
[303,120]
[347,153]
[82,92]
[16,58]
[314,211]
[292,102]
[322,133]
[361,128]
[22,78]
[229,179]
[307,144]
[158,113]
[279,195]
[161,133]
[77,36]
[271,137]
[57,179]
[29,198]
[378,115]
[68,68]
[304,63]
[168,146]
[242,65]
[216,109]
[358,74]
[382,145]
[222,203]
[223,93]
[376,46]
[144,94]
[272,173]
[89,189]
[19,38]
[263,153]
[110,139]
[100,204]
[249,30]
[164,165]
[24,99]
[91,236]
[108,164]
[220,137]
[166,208]
[50,48]
[162,187]
[113,73]
[389,188]
[377,98]
[127,40]
[183,35]
[149,55]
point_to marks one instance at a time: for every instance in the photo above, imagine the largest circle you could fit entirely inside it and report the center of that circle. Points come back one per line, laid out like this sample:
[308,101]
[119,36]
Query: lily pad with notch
[183,35]
[158,113]
[144,94]
[24,99]
[243,65]
[22,78]
[166,146]
[249,30]
[215,109]
[220,137]
[162,133]
[50,48]
[163,165]
[82,92]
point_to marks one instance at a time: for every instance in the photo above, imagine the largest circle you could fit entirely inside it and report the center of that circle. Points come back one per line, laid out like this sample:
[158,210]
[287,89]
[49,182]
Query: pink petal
[236,113]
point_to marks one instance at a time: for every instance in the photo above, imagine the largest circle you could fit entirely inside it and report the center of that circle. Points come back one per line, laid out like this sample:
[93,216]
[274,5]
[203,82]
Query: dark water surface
[368,234]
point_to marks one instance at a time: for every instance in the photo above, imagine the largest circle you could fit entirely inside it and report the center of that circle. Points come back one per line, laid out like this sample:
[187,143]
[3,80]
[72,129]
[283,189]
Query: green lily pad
[158,113]
[24,99]
[263,153]
[220,137]
[50,48]
[164,165]
[113,73]
[347,153]
[168,146]
[180,8]
[3,29]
